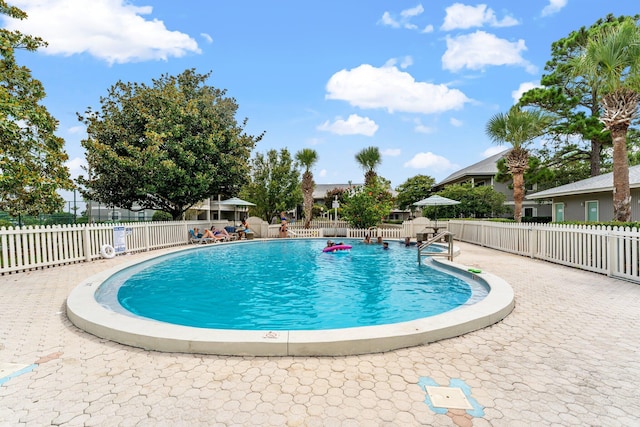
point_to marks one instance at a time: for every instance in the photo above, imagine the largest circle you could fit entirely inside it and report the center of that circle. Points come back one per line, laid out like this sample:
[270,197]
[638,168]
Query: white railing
[608,250]
[330,231]
[319,223]
[45,246]
[614,251]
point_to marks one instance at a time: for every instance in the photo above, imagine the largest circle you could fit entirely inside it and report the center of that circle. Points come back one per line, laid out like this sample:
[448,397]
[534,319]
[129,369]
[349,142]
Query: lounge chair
[202,240]
[232,232]
[222,235]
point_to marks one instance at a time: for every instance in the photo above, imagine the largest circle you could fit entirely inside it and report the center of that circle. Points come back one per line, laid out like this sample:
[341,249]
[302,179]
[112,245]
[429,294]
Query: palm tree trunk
[621,191]
[518,194]
[307,193]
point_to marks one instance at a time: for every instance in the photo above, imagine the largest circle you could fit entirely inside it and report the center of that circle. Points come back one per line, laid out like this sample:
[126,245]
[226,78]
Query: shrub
[161,216]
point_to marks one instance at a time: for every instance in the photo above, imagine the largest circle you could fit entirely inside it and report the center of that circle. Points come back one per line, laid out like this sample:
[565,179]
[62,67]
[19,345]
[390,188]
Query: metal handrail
[448,236]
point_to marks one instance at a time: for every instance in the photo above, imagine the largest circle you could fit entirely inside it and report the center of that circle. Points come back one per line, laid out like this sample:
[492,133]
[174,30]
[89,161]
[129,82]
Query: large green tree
[577,137]
[165,146]
[366,206]
[612,59]
[518,128]
[31,155]
[274,184]
[412,190]
[369,159]
[475,202]
[307,158]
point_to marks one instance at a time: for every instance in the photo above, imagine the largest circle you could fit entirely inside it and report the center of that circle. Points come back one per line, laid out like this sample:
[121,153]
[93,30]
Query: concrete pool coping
[86,313]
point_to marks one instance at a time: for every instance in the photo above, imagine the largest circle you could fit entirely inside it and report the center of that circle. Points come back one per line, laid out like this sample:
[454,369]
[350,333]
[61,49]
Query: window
[141,216]
[115,215]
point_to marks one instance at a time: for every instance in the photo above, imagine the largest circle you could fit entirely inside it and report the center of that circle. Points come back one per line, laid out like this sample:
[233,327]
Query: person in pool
[367,239]
[330,243]
[407,241]
[385,246]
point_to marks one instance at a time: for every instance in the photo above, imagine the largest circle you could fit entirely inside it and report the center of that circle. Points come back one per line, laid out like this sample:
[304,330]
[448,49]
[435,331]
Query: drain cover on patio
[448,397]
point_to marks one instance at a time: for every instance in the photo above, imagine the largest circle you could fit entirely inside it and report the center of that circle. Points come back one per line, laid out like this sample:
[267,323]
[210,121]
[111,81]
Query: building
[590,199]
[484,173]
[207,210]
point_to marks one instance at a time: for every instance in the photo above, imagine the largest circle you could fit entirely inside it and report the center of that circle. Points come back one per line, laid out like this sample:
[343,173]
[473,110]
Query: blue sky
[417,79]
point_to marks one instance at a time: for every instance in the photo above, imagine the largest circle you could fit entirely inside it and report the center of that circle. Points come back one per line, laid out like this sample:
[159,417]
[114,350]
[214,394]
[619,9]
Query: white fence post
[87,243]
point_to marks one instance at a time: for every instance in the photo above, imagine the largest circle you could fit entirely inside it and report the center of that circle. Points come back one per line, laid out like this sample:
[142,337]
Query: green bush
[161,216]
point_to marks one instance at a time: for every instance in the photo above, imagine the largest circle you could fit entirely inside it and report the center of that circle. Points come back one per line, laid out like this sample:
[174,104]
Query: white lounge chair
[202,240]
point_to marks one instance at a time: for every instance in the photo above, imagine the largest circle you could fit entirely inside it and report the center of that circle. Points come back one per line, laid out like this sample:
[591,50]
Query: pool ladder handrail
[447,236]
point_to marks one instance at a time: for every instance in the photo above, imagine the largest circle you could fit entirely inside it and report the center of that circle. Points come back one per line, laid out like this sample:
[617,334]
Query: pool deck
[567,355]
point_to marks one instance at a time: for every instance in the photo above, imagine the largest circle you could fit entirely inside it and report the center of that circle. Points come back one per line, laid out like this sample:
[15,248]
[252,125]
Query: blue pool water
[285,285]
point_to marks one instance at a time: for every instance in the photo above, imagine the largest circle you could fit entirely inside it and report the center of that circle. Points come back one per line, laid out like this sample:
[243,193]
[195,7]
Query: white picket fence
[607,250]
[614,251]
[330,231]
[45,246]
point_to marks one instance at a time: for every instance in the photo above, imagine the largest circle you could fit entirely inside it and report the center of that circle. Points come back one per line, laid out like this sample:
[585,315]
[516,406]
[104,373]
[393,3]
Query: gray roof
[320,191]
[595,184]
[486,167]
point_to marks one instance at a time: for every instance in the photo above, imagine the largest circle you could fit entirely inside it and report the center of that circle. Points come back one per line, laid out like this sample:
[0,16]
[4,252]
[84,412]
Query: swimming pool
[106,320]
[287,285]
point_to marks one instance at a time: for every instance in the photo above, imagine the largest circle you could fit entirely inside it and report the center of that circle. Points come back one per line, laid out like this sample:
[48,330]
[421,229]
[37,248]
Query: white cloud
[404,20]
[455,122]
[477,50]
[387,87]
[110,30]
[524,87]
[322,173]
[391,152]
[389,21]
[207,37]
[354,125]
[431,161]
[460,16]
[554,6]
[427,29]
[411,12]
[406,62]
[420,128]
[76,166]
[76,129]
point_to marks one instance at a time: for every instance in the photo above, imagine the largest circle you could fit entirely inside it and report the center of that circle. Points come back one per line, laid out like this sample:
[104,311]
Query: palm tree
[307,158]
[612,59]
[369,159]
[519,128]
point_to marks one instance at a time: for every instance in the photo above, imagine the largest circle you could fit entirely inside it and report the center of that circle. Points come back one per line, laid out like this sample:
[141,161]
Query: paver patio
[567,356]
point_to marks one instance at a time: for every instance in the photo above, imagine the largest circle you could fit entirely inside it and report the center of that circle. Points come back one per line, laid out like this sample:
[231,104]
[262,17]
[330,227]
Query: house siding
[575,207]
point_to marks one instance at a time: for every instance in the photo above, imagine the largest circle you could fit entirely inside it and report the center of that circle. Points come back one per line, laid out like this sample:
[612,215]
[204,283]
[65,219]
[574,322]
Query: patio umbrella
[236,202]
[436,201]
